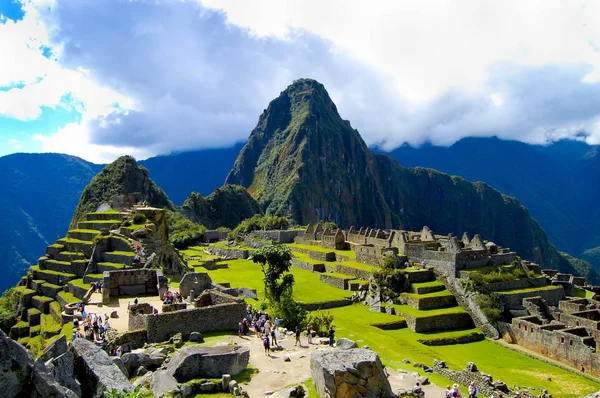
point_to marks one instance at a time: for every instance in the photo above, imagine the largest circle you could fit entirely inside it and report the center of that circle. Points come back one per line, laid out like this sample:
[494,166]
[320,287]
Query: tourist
[473,390]
[455,392]
[106,325]
[105,318]
[448,392]
[417,389]
[240,329]
[135,301]
[273,335]
[582,369]
[267,345]
[268,327]
[309,333]
[298,336]
[119,351]
[155,311]
[331,336]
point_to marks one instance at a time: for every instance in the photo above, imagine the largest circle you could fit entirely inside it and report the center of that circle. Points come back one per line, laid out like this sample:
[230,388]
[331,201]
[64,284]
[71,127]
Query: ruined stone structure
[133,282]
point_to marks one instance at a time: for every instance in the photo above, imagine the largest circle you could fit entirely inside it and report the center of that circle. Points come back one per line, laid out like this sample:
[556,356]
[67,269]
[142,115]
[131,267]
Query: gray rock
[233,387]
[207,386]
[287,359]
[162,383]
[196,337]
[149,358]
[424,380]
[119,362]
[45,385]
[251,294]
[96,370]
[15,366]
[186,391]
[347,373]
[290,392]
[143,380]
[140,371]
[196,361]
[62,370]
[345,344]
[225,382]
[55,349]
[471,367]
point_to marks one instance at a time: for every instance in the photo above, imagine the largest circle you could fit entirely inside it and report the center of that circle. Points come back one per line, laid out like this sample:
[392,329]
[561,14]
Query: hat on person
[472,383]
[455,386]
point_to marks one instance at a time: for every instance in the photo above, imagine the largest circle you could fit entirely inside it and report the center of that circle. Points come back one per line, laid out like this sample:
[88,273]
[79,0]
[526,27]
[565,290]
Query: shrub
[8,309]
[138,218]
[321,321]
[259,222]
[490,305]
[127,223]
[292,313]
[183,232]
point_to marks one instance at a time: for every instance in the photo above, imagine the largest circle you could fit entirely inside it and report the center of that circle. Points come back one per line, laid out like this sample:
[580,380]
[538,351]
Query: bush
[321,321]
[391,281]
[490,305]
[183,232]
[8,309]
[292,313]
[138,218]
[259,222]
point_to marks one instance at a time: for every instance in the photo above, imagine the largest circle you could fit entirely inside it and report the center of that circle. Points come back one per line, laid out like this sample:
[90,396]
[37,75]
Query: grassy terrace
[357,265]
[338,275]
[307,287]
[68,297]
[224,245]
[89,231]
[347,253]
[395,345]
[71,240]
[427,284]
[408,310]
[304,257]
[530,289]
[442,293]
[488,268]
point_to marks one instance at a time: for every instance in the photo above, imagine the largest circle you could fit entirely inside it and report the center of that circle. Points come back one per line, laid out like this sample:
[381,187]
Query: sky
[99,79]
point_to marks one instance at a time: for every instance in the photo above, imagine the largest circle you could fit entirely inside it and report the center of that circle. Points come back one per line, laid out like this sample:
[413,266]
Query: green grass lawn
[395,345]
[408,310]
[530,289]
[427,284]
[347,253]
[307,287]
[357,265]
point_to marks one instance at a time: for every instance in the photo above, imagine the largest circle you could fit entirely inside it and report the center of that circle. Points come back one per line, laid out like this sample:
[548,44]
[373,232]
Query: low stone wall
[465,378]
[468,338]
[460,320]
[130,340]
[517,284]
[174,307]
[321,256]
[324,305]
[400,324]
[50,290]
[285,236]
[231,253]
[308,266]
[425,275]
[41,303]
[359,273]
[514,300]
[427,303]
[77,291]
[335,281]
[503,258]
[133,282]
[161,327]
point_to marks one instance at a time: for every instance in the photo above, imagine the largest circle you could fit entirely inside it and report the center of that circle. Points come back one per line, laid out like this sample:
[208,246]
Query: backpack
[265,342]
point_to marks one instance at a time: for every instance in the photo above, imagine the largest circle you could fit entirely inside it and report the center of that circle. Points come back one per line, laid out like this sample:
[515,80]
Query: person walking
[298,336]
[309,333]
[267,345]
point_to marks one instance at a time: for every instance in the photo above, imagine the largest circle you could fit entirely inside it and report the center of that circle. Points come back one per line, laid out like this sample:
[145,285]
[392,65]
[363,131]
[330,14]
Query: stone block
[196,361]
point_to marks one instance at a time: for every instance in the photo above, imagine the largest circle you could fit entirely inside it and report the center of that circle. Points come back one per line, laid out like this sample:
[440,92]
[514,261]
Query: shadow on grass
[245,375]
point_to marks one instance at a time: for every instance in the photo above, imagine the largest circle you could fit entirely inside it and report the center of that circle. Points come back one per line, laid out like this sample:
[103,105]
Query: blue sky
[150,77]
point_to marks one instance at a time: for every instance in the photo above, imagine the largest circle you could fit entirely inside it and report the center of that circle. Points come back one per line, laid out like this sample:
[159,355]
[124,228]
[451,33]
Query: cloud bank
[182,75]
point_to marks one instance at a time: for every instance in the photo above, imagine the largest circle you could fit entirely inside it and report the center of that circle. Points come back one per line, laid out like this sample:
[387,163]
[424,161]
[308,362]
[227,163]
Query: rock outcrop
[97,369]
[149,358]
[15,366]
[197,361]
[355,372]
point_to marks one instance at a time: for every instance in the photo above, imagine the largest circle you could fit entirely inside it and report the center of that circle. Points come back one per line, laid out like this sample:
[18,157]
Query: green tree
[275,261]
[8,309]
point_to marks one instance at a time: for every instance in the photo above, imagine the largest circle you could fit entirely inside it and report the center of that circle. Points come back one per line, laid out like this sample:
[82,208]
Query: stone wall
[516,284]
[308,266]
[373,255]
[324,305]
[130,340]
[514,300]
[427,303]
[589,319]
[174,307]
[132,282]
[575,305]
[356,272]
[161,327]
[196,281]
[465,378]
[231,253]
[335,281]
[460,320]
[286,236]
[472,259]
[555,341]
[503,258]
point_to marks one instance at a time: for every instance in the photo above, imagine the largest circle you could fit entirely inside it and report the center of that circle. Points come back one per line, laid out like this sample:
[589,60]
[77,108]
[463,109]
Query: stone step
[393,325]
[68,256]
[76,267]
[76,245]
[34,316]
[55,249]
[434,320]
[118,257]
[336,280]
[49,289]
[427,287]
[83,234]
[108,266]
[21,329]
[429,301]
[93,216]
[420,275]
[89,278]
[358,285]
[42,303]
[54,277]
[99,225]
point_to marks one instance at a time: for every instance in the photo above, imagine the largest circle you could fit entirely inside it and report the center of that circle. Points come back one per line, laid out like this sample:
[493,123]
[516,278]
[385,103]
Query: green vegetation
[490,305]
[138,218]
[68,297]
[478,279]
[114,393]
[321,321]
[121,177]
[183,232]
[275,262]
[8,308]
[390,280]
[258,222]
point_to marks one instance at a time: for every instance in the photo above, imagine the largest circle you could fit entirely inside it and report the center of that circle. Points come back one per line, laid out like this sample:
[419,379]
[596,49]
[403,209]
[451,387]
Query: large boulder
[96,370]
[15,366]
[55,349]
[62,370]
[196,361]
[162,383]
[345,344]
[46,386]
[354,372]
[150,358]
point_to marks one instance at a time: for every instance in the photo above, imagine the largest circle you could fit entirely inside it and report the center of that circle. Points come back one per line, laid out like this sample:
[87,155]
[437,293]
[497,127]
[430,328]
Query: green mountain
[121,177]
[225,207]
[304,161]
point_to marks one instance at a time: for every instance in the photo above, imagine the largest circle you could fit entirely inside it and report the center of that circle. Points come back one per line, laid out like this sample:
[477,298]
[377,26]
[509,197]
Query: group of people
[94,327]
[96,287]
[171,298]
[454,392]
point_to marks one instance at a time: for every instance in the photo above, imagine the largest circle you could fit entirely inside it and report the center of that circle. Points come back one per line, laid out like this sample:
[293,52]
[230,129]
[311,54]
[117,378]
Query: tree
[275,261]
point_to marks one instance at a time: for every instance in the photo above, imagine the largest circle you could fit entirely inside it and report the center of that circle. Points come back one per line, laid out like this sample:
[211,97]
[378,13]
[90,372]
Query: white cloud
[186,77]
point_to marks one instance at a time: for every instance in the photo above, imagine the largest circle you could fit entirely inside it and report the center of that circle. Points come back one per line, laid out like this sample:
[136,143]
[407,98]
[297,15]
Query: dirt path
[274,373]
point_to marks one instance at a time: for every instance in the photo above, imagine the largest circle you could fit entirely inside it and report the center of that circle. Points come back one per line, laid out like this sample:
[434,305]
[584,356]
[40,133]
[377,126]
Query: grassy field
[347,253]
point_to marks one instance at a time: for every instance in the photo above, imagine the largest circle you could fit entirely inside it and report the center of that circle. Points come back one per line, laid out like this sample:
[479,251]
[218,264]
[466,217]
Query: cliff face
[121,177]
[304,161]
